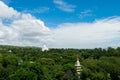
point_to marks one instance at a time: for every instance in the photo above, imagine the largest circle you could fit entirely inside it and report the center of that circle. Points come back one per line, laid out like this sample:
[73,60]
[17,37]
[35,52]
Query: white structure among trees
[78,67]
[10,51]
[45,48]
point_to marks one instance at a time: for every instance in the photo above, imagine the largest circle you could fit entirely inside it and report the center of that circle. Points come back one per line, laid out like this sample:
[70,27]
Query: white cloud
[85,13]
[101,33]
[37,10]
[23,30]
[64,5]
[7,12]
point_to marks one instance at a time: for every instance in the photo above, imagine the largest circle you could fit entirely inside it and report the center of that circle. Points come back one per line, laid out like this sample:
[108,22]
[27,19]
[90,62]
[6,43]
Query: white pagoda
[45,48]
[78,67]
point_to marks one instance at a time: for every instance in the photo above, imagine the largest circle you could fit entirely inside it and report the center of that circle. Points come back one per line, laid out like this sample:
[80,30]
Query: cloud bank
[100,33]
[22,29]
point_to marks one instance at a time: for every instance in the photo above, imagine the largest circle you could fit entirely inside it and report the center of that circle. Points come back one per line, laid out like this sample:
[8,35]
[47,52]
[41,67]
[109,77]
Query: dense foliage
[30,63]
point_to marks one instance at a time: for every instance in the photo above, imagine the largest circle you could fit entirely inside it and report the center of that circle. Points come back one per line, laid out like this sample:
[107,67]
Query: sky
[60,23]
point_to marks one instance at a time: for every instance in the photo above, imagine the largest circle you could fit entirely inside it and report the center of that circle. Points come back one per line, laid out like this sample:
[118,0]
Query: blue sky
[60,23]
[82,10]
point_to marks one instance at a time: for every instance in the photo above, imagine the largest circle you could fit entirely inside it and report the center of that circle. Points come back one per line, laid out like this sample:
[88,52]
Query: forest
[30,63]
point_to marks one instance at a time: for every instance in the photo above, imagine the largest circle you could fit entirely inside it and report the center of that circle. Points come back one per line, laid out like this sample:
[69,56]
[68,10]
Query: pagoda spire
[78,67]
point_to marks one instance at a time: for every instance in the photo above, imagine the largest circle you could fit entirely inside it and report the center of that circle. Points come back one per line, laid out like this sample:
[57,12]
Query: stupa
[45,48]
[78,67]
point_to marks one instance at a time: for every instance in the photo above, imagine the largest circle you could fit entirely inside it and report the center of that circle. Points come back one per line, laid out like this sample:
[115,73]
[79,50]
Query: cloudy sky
[60,23]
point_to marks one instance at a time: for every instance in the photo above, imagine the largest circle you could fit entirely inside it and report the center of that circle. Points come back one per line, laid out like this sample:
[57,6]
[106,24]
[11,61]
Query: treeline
[30,63]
